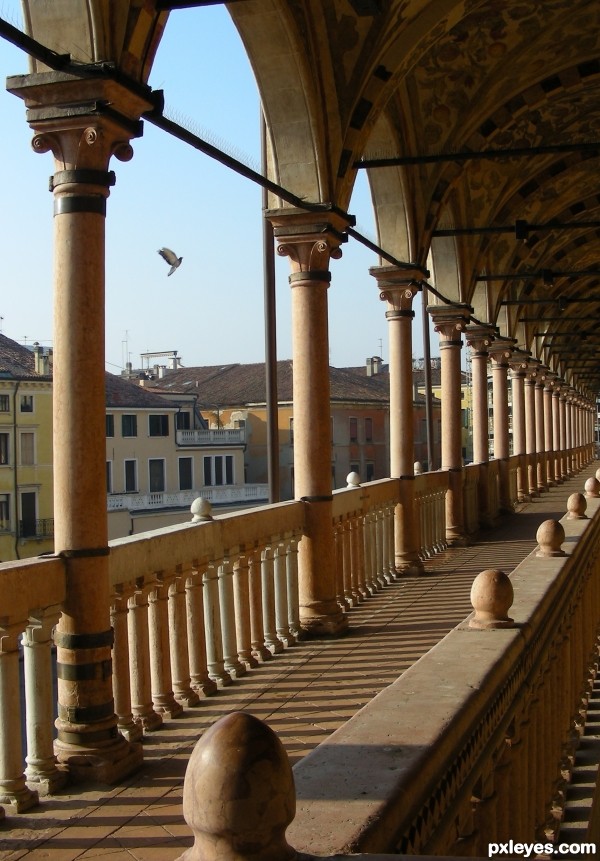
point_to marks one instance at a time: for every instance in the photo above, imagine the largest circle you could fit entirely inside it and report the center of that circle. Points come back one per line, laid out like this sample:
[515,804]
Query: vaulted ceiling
[478,122]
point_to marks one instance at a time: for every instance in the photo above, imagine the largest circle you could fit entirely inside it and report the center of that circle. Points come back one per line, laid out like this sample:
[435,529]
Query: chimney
[173,361]
[374,364]
[41,363]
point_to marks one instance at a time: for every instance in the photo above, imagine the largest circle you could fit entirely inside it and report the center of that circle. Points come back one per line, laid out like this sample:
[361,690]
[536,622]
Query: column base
[100,765]
[457,541]
[315,627]
[131,732]
[409,567]
[47,784]
[19,796]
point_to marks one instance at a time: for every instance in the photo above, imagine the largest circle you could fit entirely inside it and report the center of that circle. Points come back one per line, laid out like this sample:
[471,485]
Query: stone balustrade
[452,757]
[430,493]
[192,606]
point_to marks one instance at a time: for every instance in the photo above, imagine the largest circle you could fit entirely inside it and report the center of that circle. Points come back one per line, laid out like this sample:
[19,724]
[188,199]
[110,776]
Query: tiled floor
[303,694]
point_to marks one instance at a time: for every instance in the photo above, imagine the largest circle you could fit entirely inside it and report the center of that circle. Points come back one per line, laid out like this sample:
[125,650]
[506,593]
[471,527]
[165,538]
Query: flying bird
[172,259]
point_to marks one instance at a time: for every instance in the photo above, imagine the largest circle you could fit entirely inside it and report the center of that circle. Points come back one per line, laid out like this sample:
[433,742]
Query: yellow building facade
[26,487]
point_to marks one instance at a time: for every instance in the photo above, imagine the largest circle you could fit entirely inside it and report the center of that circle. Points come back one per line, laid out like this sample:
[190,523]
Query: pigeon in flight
[172,259]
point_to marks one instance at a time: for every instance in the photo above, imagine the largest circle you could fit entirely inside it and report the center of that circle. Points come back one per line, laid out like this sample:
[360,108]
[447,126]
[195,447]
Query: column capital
[310,238]
[480,338]
[398,287]
[501,351]
[83,121]
[450,320]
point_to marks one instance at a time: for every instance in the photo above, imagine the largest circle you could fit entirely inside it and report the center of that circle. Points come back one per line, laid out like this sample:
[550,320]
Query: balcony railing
[196,605]
[217,495]
[41,528]
[213,437]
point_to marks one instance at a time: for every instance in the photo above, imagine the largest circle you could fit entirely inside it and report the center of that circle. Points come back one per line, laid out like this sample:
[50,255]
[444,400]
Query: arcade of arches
[478,122]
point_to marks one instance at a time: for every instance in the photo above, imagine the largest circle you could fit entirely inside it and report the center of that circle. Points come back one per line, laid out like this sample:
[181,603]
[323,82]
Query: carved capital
[310,239]
[480,339]
[82,121]
[449,321]
[397,286]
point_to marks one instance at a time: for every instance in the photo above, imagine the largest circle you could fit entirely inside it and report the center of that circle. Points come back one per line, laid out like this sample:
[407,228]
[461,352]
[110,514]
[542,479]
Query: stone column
[569,432]
[310,240]
[558,474]
[540,432]
[530,438]
[398,287]
[500,351]
[563,432]
[549,430]
[71,118]
[479,339]
[450,321]
[518,368]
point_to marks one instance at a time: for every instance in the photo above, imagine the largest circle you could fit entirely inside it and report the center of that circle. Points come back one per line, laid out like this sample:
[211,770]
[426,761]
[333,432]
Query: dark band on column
[316,498]
[392,315]
[105,178]
[84,641]
[97,671]
[456,343]
[311,275]
[86,738]
[84,552]
[80,203]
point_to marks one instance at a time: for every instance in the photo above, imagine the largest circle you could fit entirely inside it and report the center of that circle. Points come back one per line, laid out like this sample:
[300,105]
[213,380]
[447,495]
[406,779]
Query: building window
[129,425]
[353,429]
[368,430]
[27,441]
[109,483]
[183,421]
[4,512]
[355,467]
[131,484]
[370,468]
[186,481]
[4,404]
[110,425]
[4,449]
[158,425]
[218,470]
[26,403]
[291,431]
[28,514]
[156,472]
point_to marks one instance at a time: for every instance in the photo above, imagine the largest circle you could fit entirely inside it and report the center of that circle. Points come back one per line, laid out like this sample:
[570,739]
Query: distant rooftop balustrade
[211,437]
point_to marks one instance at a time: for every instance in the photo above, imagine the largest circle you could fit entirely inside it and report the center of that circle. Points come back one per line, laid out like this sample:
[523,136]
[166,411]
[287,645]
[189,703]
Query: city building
[26,504]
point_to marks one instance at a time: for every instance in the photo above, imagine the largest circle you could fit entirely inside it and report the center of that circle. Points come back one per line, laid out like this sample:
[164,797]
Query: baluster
[194,599]
[241,602]
[13,790]
[160,658]
[358,555]
[230,652]
[41,772]
[272,642]
[281,598]
[139,661]
[126,725]
[292,587]
[212,626]
[378,546]
[340,591]
[345,550]
[389,565]
[178,643]
[257,634]
[365,529]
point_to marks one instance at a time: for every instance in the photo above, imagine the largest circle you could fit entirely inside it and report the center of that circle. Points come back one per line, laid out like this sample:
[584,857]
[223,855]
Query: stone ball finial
[418,468]
[491,596]
[353,479]
[592,488]
[201,510]
[238,793]
[576,506]
[550,536]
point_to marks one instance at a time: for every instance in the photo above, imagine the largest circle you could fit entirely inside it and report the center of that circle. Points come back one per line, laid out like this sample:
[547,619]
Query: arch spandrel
[126,33]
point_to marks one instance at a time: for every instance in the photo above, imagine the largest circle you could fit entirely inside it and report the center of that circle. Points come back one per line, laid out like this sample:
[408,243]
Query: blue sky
[211,309]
